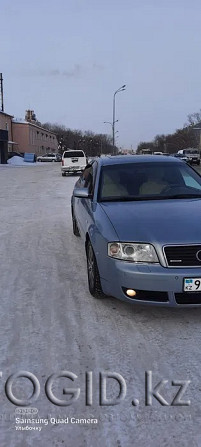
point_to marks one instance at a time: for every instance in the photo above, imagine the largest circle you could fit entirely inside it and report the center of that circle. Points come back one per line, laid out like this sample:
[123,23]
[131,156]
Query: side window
[84,179]
[95,167]
[89,179]
[80,182]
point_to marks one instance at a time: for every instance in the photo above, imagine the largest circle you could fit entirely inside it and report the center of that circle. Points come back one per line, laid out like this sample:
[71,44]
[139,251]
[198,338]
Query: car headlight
[132,252]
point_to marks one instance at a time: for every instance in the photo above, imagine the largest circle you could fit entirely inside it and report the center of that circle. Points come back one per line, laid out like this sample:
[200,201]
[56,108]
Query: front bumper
[195,160]
[150,280]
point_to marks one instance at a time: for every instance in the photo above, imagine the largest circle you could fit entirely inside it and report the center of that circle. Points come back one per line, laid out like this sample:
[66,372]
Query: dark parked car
[139,218]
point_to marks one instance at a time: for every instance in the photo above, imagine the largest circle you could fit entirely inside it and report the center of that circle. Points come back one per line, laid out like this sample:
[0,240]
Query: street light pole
[108,122]
[121,89]
[111,124]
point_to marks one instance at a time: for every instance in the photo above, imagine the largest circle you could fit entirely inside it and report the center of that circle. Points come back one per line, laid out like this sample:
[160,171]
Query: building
[33,138]
[6,136]
[24,136]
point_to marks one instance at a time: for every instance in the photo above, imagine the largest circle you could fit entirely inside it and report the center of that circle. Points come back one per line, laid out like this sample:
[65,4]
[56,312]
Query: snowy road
[50,323]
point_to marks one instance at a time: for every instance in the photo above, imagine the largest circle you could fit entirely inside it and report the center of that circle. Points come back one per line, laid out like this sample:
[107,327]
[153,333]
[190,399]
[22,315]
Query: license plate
[192,284]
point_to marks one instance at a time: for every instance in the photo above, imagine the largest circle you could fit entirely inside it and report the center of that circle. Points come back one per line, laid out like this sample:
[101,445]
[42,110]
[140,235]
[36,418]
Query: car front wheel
[93,273]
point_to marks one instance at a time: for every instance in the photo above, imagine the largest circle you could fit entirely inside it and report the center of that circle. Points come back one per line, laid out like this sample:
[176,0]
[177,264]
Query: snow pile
[18,161]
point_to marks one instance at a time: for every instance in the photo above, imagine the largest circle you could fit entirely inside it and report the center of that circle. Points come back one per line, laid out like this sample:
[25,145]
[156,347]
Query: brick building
[24,136]
[33,138]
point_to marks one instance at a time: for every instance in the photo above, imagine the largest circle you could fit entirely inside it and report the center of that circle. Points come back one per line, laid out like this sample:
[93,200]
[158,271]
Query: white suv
[73,161]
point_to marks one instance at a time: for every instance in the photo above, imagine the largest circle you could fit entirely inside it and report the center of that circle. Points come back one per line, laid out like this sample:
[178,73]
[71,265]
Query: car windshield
[191,151]
[148,181]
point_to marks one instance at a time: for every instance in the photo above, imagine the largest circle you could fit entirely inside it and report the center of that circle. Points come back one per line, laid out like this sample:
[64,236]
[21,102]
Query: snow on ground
[19,161]
[49,322]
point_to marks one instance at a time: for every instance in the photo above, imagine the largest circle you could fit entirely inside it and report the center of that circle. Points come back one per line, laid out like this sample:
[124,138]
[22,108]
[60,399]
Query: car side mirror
[82,193]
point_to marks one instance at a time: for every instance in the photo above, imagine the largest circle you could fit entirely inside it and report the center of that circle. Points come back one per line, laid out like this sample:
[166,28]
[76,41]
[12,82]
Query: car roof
[73,150]
[124,159]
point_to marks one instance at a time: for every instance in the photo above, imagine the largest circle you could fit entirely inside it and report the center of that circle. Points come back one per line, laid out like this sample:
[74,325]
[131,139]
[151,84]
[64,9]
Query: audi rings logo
[198,255]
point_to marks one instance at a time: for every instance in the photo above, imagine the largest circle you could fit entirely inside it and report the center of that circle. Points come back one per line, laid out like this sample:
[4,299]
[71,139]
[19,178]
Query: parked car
[139,218]
[73,161]
[49,157]
[184,158]
[192,153]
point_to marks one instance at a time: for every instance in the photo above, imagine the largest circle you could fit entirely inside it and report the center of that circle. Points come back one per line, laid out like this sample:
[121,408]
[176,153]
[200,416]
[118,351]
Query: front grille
[148,295]
[188,298]
[183,255]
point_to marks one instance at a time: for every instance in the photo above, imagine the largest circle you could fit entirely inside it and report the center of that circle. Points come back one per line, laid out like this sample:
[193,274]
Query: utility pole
[1,92]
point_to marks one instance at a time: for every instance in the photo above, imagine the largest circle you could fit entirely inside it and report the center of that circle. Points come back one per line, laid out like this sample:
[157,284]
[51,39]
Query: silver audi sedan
[140,220]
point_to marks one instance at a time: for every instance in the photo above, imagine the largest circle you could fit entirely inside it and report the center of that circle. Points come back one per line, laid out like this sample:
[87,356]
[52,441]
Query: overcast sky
[65,58]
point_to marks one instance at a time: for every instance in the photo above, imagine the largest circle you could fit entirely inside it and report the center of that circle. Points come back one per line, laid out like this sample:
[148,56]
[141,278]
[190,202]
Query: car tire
[75,227]
[93,273]
[63,174]
[198,162]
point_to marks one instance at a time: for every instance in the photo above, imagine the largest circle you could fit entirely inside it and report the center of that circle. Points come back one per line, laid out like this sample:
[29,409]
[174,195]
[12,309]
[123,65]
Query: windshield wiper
[132,198]
[158,197]
[119,199]
[183,196]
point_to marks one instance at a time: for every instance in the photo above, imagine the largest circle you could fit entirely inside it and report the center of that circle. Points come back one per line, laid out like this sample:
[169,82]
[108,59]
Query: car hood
[161,221]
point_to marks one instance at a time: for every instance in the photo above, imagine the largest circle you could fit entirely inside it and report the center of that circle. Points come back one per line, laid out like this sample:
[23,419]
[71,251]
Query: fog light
[131,292]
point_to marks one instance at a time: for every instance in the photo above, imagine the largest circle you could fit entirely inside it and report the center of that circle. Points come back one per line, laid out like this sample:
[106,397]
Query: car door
[83,207]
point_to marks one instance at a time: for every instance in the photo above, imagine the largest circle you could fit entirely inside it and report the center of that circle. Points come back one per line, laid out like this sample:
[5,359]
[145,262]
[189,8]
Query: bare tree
[92,144]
